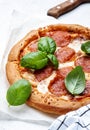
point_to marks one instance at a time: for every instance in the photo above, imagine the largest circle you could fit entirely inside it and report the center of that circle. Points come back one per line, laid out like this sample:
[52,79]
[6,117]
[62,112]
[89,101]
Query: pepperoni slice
[33,46]
[57,86]
[62,38]
[64,71]
[43,73]
[83,61]
[87,89]
[64,54]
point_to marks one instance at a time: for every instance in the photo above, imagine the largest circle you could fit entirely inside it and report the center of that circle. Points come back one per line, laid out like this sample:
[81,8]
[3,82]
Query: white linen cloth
[23,117]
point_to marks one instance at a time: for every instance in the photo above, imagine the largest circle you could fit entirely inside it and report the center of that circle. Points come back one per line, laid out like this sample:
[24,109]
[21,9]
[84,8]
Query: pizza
[49,91]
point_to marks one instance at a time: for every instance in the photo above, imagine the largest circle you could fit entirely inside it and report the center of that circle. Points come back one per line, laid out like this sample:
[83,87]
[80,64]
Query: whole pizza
[56,61]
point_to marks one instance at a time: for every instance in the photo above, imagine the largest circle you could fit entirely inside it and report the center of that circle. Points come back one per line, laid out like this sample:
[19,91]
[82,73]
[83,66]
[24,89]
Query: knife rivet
[71,1]
[58,7]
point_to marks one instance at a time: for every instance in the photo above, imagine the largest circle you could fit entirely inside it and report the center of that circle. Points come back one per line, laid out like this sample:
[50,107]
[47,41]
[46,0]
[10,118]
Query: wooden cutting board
[65,7]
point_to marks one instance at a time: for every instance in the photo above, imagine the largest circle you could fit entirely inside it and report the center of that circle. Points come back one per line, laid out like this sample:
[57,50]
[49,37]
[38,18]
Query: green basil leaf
[34,60]
[53,59]
[75,81]
[19,92]
[86,47]
[47,44]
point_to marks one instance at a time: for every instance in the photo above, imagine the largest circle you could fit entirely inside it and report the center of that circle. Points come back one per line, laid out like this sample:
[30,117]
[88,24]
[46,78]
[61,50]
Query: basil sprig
[86,47]
[34,60]
[19,92]
[39,59]
[75,81]
[47,44]
[53,60]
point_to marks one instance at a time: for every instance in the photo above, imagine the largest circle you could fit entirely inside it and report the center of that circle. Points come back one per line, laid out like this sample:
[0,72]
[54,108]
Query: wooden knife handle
[63,8]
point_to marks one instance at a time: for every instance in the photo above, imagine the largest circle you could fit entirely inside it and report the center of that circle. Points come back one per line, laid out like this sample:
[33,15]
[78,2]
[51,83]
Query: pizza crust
[12,72]
[52,104]
[17,48]
[45,102]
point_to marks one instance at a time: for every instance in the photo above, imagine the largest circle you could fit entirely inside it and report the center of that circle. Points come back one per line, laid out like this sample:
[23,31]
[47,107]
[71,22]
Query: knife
[65,7]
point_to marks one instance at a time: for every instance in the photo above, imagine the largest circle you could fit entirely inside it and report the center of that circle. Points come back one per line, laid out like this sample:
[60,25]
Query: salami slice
[64,71]
[87,89]
[43,73]
[83,61]
[64,54]
[57,86]
[33,46]
[62,38]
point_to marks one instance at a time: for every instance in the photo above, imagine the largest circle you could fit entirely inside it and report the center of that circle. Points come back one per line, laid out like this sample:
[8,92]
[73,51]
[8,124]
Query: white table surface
[80,15]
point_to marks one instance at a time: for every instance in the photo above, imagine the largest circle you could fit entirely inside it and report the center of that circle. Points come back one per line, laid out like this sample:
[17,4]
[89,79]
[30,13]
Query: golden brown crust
[17,48]
[53,104]
[12,72]
[44,102]
[66,27]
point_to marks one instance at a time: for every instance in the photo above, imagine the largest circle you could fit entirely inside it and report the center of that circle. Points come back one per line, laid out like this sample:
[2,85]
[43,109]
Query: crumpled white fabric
[9,122]
[76,120]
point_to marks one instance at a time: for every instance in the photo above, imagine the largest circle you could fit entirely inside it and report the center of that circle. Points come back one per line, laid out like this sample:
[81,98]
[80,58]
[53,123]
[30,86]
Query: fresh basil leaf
[34,60]
[47,44]
[53,59]
[86,47]
[19,92]
[75,81]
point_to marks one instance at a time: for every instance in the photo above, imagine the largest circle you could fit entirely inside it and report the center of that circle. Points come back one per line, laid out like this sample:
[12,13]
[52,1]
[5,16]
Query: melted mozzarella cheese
[61,65]
[87,76]
[43,85]
[76,45]
[29,76]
